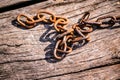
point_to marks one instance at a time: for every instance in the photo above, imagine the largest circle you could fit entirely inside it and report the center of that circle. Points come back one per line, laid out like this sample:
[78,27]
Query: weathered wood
[23,54]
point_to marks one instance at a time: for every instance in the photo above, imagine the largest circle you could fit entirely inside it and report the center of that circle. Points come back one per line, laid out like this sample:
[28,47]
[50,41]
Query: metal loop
[106,21]
[58,27]
[58,50]
[55,18]
[85,17]
[43,17]
[83,28]
[24,23]
[36,20]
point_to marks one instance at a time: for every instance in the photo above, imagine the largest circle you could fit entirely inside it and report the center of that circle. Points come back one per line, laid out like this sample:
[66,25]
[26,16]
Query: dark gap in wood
[19,5]
[92,68]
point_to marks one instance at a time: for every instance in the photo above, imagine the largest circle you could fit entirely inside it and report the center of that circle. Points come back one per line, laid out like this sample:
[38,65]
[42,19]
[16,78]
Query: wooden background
[25,53]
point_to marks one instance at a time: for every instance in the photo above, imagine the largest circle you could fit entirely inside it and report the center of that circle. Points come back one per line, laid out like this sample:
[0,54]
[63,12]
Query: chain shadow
[46,37]
[49,36]
[16,24]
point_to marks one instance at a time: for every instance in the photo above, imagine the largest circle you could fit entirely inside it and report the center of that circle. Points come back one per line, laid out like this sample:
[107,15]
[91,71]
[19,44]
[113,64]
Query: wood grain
[25,54]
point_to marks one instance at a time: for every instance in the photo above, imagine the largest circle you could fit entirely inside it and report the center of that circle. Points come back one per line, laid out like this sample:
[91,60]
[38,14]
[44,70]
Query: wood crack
[14,61]
[15,45]
[18,5]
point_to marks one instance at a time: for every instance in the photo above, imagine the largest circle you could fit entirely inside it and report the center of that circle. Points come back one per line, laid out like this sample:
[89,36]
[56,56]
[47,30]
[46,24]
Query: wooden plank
[23,55]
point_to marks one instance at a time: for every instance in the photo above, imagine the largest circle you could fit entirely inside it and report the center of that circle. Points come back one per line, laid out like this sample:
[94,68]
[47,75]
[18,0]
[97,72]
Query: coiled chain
[66,38]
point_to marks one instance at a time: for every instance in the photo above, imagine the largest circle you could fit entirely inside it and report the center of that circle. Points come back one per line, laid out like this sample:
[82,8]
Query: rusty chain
[66,38]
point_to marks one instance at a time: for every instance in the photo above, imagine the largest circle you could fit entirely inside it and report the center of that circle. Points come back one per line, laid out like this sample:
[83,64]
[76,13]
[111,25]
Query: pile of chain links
[66,38]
